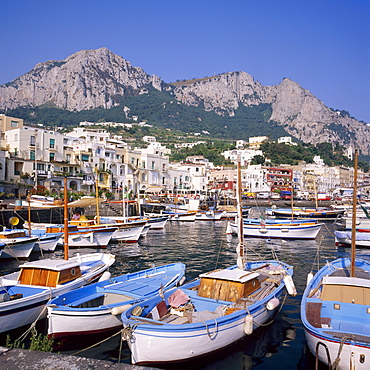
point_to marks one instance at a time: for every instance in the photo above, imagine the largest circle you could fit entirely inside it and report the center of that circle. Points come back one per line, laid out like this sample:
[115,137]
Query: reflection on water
[204,246]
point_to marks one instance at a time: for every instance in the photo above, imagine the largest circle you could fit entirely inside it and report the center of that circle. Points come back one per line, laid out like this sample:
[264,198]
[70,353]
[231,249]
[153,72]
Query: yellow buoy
[14,221]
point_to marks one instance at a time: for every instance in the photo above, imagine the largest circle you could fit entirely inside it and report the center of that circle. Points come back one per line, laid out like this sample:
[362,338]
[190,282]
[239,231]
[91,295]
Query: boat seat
[313,314]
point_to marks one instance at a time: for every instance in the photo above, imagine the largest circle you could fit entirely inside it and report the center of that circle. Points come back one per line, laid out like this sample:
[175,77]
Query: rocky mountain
[98,78]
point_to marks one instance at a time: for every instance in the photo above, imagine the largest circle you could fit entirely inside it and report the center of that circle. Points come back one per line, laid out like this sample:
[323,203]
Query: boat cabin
[12,234]
[48,273]
[228,285]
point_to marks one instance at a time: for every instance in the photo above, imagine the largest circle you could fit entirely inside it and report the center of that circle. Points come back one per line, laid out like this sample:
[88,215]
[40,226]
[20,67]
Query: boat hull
[19,248]
[160,342]
[291,231]
[334,313]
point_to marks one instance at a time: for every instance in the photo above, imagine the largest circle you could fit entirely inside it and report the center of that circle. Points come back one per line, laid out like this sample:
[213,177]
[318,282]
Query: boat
[96,308]
[209,215]
[25,293]
[178,216]
[282,230]
[323,214]
[344,238]
[208,314]
[16,244]
[335,308]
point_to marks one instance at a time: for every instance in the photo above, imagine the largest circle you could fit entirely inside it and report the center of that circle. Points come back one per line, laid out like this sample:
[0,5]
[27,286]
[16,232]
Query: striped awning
[154,189]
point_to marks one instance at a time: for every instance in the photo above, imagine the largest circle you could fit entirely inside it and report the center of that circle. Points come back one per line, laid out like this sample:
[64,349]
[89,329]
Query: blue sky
[324,45]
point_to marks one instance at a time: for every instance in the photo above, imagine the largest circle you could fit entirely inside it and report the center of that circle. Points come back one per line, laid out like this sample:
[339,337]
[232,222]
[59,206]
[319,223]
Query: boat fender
[290,287]
[272,303]
[229,230]
[118,310]
[309,277]
[182,281]
[137,311]
[248,324]
[105,276]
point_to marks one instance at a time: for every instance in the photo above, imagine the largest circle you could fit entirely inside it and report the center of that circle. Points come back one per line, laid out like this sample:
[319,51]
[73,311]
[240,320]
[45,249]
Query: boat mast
[354,205]
[29,214]
[240,249]
[65,220]
[97,196]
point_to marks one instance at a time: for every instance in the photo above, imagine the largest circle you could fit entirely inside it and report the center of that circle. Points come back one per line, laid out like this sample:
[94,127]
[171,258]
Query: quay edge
[25,359]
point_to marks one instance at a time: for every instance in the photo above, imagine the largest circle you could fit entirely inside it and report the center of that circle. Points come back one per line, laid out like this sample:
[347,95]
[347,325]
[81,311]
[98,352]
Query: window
[32,155]
[51,157]
[14,123]
[133,161]
[107,155]
[163,167]
[153,165]
[143,164]
[68,158]
[143,177]
[85,157]
[52,144]
[32,140]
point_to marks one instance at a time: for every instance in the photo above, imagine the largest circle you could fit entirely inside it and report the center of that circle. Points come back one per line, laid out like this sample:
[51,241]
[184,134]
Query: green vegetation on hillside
[161,109]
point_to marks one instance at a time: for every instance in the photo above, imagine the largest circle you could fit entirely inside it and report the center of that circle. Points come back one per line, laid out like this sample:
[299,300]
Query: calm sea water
[204,246]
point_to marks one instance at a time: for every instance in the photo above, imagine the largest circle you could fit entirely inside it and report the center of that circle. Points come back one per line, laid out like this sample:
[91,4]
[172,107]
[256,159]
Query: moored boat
[208,314]
[282,230]
[335,307]
[25,293]
[96,308]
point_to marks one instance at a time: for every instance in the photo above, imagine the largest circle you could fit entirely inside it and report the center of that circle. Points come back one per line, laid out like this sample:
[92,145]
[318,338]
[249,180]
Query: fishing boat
[208,314]
[209,215]
[25,293]
[323,214]
[96,308]
[16,244]
[282,230]
[344,238]
[335,309]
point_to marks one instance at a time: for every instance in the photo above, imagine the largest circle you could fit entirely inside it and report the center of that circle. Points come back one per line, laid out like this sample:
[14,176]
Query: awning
[154,189]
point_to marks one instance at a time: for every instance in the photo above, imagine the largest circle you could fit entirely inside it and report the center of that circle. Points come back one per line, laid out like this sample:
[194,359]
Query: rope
[216,329]
[96,344]
[337,360]
[33,325]
[272,320]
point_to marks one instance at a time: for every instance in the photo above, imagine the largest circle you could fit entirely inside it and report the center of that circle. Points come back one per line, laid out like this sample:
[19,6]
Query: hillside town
[40,158]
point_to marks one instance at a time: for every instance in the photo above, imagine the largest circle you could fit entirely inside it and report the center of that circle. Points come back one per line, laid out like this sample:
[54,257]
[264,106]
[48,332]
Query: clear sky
[324,45]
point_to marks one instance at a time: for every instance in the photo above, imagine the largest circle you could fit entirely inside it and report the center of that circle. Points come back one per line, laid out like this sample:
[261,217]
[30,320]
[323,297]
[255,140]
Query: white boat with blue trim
[96,308]
[25,293]
[208,314]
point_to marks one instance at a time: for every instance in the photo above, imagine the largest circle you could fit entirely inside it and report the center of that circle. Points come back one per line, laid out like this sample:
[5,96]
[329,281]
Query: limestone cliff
[85,80]
[98,78]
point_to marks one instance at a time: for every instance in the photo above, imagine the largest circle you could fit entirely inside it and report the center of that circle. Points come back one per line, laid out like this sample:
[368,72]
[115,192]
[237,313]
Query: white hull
[62,324]
[17,248]
[183,217]
[46,244]
[152,347]
[349,355]
[280,232]
[128,234]
[208,216]
[14,314]
[92,239]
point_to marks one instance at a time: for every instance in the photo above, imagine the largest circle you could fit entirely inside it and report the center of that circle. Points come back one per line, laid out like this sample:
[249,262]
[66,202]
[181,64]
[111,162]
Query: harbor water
[204,246]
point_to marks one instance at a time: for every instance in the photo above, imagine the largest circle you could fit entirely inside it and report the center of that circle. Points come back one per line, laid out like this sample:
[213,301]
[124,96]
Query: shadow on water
[204,246]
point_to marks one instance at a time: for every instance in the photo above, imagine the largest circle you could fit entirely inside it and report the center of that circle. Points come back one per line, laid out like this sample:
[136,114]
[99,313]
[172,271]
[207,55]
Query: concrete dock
[16,358]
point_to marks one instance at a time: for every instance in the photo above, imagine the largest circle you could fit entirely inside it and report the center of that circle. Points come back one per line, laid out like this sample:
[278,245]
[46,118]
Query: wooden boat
[25,293]
[335,309]
[96,308]
[283,230]
[344,238]
[16,244]
[317,213]
[207,314]
[178,216]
